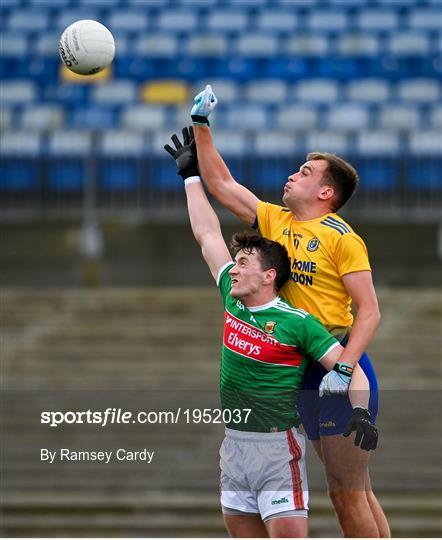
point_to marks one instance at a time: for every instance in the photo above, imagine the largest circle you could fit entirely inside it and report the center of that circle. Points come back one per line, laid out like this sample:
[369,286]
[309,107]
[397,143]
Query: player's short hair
[272,254]
[340,175]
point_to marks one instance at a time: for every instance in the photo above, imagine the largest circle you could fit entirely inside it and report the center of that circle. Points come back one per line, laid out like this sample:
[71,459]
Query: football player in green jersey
[267,345]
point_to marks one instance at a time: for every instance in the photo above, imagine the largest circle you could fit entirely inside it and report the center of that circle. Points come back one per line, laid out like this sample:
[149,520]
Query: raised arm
[203,220]
[216,175]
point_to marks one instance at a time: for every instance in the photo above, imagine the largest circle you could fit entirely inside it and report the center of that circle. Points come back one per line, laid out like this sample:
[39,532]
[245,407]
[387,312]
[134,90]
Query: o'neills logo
[247,340]
[269,327]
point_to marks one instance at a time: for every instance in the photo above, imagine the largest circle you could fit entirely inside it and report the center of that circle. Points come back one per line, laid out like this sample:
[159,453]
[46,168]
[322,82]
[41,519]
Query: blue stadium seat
[377,173]
[48,4]
[256,45]
[206,45]
[408,44]
[246,117]
[42,117]
[28,20]
[327,20]
[155,45]
[425,18]
[307,45]
[436,117]
[398,117]
[347,117]
[93,117]
[419,90]
[172,20]
[317,90]
[144,117]
[46,44]
[227,21]
[226,90]
[114,92]
[425,169]
[378,143]
[18,92]
[13,44]
[68,165]
[351,44]
[129,21]
[373,90]
[240,69]
[66,17]
[271,91]
[6,119]
[328,141]
[118,168]
[277,21]
[18,151]
[148,4]
[377,20]
[108,4]
[273,153]
[68,94]
[297,117]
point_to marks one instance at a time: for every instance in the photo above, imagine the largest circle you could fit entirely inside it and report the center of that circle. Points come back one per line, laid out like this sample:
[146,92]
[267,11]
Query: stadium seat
[5,119]
[129,21]
[399,117]
[377,173]
[46,44]
[246,117]
[231,144]
[206,45]
[156,45]
[116,92]
[328,141]
[49,4]
[42,117]
[172,20]
[68,94]
[297,118]
[277,21]
[108,4]
[377,20]
[17,92]
[66,17]
[68,166]
[18,151]
[93,117]
[424,171]
[408,44]
[378,143]
[149,3]
[227,21]
[327,20]
[143,118]
[28,20]
[256,45]
[266,91]
[358,45]
[306,45]
[368,90]
[317,90]
[13,45]
[419,90]
[425,19]
[274,144]
[194,4]
[436,117]
[118,168]
[347,117]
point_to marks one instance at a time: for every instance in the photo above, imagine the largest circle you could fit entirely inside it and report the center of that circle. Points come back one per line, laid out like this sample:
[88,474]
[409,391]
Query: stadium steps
[179,514]
[62,342]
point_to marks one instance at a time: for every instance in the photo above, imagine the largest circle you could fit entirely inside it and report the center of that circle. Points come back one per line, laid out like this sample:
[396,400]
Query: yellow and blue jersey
[321,251]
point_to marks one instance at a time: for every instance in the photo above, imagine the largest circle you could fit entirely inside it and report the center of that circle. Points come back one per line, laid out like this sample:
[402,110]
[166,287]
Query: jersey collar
[270,304]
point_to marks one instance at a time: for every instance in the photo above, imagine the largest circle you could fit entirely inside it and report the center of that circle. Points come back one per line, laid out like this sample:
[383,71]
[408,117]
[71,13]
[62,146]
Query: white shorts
[264,473]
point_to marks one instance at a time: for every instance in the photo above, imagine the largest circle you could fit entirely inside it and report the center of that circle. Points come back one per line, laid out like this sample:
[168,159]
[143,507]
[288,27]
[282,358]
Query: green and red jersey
[265,352]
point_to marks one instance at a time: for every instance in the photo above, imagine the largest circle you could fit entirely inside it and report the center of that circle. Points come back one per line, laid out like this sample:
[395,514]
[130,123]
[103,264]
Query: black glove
[184,155]
[366,432]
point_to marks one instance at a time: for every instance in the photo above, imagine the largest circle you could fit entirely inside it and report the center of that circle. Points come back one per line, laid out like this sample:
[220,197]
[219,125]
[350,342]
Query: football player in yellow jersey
[330,271]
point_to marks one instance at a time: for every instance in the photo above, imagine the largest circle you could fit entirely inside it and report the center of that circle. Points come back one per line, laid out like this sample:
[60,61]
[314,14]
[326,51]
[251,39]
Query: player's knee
[344,501]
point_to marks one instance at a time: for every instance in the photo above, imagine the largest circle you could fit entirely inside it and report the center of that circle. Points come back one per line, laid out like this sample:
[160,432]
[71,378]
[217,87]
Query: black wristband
[362,413]
[187,173]
[200,119]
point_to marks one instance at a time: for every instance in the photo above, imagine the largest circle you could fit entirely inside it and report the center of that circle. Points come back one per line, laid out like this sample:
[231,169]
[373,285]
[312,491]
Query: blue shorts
[330,415]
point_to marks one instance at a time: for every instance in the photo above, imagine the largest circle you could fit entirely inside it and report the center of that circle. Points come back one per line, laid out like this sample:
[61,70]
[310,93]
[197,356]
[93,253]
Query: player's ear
[326,192]
[269,276]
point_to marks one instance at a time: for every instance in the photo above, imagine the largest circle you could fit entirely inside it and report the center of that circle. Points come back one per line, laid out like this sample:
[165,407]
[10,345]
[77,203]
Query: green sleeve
[224,281]
[314,338]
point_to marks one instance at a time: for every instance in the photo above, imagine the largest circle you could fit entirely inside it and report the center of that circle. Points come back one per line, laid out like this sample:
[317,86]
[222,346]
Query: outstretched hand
[205,103]
[184,154]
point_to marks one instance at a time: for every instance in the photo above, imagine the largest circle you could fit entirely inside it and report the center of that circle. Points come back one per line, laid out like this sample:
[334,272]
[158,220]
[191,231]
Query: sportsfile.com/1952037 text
[113,415]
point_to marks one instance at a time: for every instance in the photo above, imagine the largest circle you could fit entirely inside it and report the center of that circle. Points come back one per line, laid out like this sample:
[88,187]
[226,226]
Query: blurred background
[103,287]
